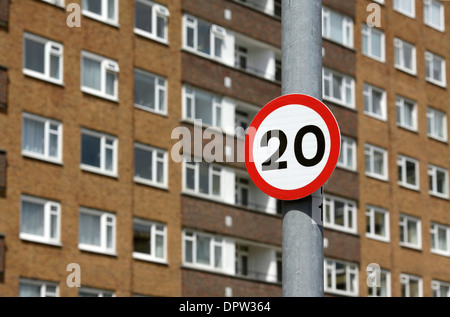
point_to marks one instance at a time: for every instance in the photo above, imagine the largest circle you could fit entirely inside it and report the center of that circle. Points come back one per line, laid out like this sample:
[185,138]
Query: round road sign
[292,146]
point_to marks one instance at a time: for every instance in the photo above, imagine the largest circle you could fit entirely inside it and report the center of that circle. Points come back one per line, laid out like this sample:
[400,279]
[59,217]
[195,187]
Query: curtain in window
[34,56]
[32,218]
[91,73]
[90,229]
[33,136]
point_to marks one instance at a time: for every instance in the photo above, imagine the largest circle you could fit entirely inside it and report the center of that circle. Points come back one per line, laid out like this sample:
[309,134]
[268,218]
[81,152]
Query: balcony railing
[259,276]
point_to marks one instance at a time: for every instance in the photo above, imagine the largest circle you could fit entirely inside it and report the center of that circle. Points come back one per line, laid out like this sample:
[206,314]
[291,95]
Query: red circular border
[335,137]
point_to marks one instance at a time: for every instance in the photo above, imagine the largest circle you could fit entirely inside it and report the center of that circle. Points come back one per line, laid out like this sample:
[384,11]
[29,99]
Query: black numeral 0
[272,164]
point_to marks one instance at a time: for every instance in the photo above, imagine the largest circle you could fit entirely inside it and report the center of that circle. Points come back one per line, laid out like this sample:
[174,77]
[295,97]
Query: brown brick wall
[339,58]
[4,12]
[204,284]
[2,256]
[342,246]
[345,7]
[343,183]
[3,87]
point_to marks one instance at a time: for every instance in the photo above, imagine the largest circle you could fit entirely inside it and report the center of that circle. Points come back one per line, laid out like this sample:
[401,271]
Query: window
[202,178]
[40,220]
[337,27]
[433,14]
[411,285]
[90,292]
[241,57]
[406,113]
[150,165]
[436,124]
[440,289]
[41,138]
[97,231]
[375,102]
[103,10]
[406,7]
[242,191]
[149,240]
[377,223]
[59,3]
[151,20]
[347,156]
[34,288]
[3,88]
[204,38]
[384,290]
[150,92]
[203,250]
[410,232]
[376,162]
[340,214]
[98,152]
[204,106]
[341,277]
[438,180]
[99,76]
[373,43]
[405,56]
[440,239]
[42,58]
[408,172]
[338,88]
[435,67]
[241,260]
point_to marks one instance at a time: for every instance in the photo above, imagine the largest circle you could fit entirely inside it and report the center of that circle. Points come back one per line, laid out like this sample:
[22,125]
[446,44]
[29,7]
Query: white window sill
[406,70]
[436,82]
[378,238]
[439,252]
[339,228]
[436,27]
[337,292]
[204,268]
[339,102]
[143,181]
[99,94]
[438,195]
[376,58]
[88,168]
[148,258]
[151,36]
[100,18]
[38,239]
[437,138]
[161,113]
[374,116]
[42,158]
[411,246]
[42,77]
[412,129]
[93,249]
[408,186]
[378,177]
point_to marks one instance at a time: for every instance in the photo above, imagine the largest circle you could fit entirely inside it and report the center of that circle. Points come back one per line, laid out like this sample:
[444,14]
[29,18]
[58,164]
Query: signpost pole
[302,230]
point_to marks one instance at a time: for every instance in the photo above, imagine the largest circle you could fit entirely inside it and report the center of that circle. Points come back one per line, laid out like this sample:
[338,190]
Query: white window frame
[213,170]
[348,83]
[51,48]
[432,116]
[107,66]
[430,58]
[432,170]
[103,147]
[158,11]
[434,227]
[350,211]
[43,287]
[347,144]
[351,268]
[346,28]
[98,292]
[400,106]
[368,92]
[103,17]
[401,163]
[47,133]
[158,89]
[401,45]
[48,205]
[403,222]
[405,279]
[155,160]
[154,231]
[59,3]
[370,212]
[427,18]
[388,285]
[215,241]
[104,223]
[398,8]
[436,287]
[367,35]
[189,93]
[369,150]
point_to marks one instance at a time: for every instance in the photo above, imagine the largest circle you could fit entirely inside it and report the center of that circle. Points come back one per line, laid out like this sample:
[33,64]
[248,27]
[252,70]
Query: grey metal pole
[302,230]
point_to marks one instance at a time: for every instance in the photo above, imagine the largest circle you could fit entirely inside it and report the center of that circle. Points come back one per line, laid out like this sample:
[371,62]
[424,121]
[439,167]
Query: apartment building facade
[90,117]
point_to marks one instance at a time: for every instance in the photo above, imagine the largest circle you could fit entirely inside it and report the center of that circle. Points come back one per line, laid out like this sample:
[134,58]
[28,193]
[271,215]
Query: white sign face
[294,146]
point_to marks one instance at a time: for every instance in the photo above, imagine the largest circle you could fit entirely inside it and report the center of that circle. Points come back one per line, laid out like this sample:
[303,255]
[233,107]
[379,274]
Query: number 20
[273,164]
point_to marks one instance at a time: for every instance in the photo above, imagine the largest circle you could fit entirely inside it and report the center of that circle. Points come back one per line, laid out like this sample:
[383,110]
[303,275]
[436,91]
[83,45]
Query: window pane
[410,173]
[204,37]
[407,57]
[143,163]
[53,146]
[377,98]
[90,150]
[110,83]
[442,239]
[109,237]
[54,67]
[109,159]
[380,227]
[32,218]
[90,229]
[337,87]
[204,178]
[111,9]
[160,172]
[159,245]
[143,16]
[336,22]
[190,37]
[218,47]
[190,178]
[339,213]
[203,107]
[141,238]
[216,185]
[27,290]
[160,27]
[203,250]
[413,288]
[34,56]
[94,6]
[412,232]
[341,278]
[91,74]
[440,180]
[33,136]
[144,90]
[53,226]
[378,160]
[376,44]
[188,251]
[217,256]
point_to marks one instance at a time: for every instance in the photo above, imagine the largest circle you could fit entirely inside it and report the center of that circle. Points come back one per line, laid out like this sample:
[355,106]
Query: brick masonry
[4,13]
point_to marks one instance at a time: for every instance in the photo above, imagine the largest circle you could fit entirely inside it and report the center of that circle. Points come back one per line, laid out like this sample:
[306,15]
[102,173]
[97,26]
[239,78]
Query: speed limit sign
[292,146]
